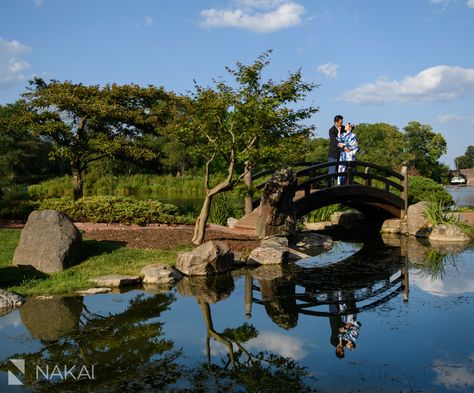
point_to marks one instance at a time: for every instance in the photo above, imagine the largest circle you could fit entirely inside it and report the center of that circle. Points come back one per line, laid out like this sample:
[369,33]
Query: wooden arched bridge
[372,189]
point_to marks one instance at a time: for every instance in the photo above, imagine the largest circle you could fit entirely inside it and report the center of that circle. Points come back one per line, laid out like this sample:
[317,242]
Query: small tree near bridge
[255,122]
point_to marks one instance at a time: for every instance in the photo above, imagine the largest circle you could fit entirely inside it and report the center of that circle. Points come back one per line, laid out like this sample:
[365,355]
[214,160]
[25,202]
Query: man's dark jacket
[333,149]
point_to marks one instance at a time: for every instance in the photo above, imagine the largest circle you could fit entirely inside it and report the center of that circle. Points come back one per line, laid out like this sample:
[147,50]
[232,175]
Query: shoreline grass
[100,258]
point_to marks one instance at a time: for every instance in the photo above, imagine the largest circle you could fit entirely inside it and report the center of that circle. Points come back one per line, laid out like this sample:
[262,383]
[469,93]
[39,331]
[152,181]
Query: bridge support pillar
[404,173]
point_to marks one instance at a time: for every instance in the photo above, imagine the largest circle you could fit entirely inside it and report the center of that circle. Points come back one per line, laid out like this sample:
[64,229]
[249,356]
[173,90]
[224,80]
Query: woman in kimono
[347,142]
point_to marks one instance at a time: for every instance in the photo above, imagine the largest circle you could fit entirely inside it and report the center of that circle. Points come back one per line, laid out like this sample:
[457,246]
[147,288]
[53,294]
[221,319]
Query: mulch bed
[161,237]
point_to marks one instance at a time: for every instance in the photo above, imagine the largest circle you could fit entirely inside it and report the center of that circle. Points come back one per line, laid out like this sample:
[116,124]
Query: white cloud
[454,376]
[440,1]
[452,283]
[440,83]
[286,346]
[290,347]
[283,16]
[38,3]
[263,4]
[448,118]
[12,65]
[470,3]
[329,70]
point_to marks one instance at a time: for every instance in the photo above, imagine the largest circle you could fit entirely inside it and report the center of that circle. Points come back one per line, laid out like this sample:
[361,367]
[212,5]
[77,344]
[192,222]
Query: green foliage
[436,214]
[157,186]
[424,147]
[317,150]
[87,123]
[116,210]
[381,144]
[467,160]
[424,189]
[223,206]
[324,213]
[23,156]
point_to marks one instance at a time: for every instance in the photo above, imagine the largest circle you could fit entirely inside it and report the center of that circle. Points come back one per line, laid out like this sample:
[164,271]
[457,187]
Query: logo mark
[20,365]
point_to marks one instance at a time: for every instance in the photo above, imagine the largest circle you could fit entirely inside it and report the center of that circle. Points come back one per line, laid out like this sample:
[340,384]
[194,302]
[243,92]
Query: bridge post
[248,296]
[248,207]
[368,181]
[404,173]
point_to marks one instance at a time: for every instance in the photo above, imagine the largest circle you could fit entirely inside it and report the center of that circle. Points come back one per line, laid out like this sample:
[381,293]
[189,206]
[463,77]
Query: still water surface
[265,330]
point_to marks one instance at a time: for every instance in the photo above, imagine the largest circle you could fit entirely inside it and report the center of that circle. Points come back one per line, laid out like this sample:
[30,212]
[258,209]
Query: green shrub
[17,209]
[116,210]
[424,189]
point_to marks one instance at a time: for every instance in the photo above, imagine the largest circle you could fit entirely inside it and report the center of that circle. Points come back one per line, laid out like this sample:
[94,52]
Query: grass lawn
[100,258]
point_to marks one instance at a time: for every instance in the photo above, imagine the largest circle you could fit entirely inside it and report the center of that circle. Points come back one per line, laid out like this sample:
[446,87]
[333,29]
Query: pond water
[462,195]
[270,329]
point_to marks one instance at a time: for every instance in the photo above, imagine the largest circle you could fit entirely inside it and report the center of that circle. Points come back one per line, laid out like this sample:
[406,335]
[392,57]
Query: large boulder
[49,242]
[448,233]
[417,224]
[209,258]
[277,209]
[394,226]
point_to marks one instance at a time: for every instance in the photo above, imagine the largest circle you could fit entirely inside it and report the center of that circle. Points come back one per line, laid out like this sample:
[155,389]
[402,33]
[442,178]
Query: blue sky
[391,61]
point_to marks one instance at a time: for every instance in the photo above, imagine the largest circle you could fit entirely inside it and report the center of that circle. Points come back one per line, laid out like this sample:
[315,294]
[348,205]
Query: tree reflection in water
[242,369]
[127,349]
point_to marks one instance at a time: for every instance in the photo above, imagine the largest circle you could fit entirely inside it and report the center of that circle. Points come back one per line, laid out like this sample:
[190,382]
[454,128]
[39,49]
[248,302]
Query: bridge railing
[315,176]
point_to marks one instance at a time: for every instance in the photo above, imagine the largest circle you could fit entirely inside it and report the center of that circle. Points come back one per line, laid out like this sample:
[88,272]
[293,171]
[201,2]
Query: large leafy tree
[88,123]
[23,156]
[317,150]
[424,148]
[381,144]
[467,160]
[244,125]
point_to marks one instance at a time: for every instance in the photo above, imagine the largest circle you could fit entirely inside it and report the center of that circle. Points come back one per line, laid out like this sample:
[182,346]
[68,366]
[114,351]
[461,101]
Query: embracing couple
[343,146]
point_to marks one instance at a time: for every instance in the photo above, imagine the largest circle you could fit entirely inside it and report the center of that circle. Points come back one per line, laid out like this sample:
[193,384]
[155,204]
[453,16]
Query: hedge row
[105,209]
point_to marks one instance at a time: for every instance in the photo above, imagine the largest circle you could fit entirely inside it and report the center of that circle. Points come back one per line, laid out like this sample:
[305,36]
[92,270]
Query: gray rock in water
[277,209]
[116,280]
[348,220]
[9,301]
[49,242]
[160,274]
[268,255]
[275,241]
[448,233]
[94,291]
[212,257]
[309,241]
[417,223]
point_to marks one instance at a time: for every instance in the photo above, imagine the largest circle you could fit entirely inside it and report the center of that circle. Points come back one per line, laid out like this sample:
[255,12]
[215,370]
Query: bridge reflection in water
[367,279]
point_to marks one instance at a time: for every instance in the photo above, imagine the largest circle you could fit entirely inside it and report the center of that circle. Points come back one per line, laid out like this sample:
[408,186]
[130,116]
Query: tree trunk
[200,227]
[77,184]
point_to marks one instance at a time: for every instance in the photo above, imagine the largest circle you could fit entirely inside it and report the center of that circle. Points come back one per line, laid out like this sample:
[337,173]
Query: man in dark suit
[333,153]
